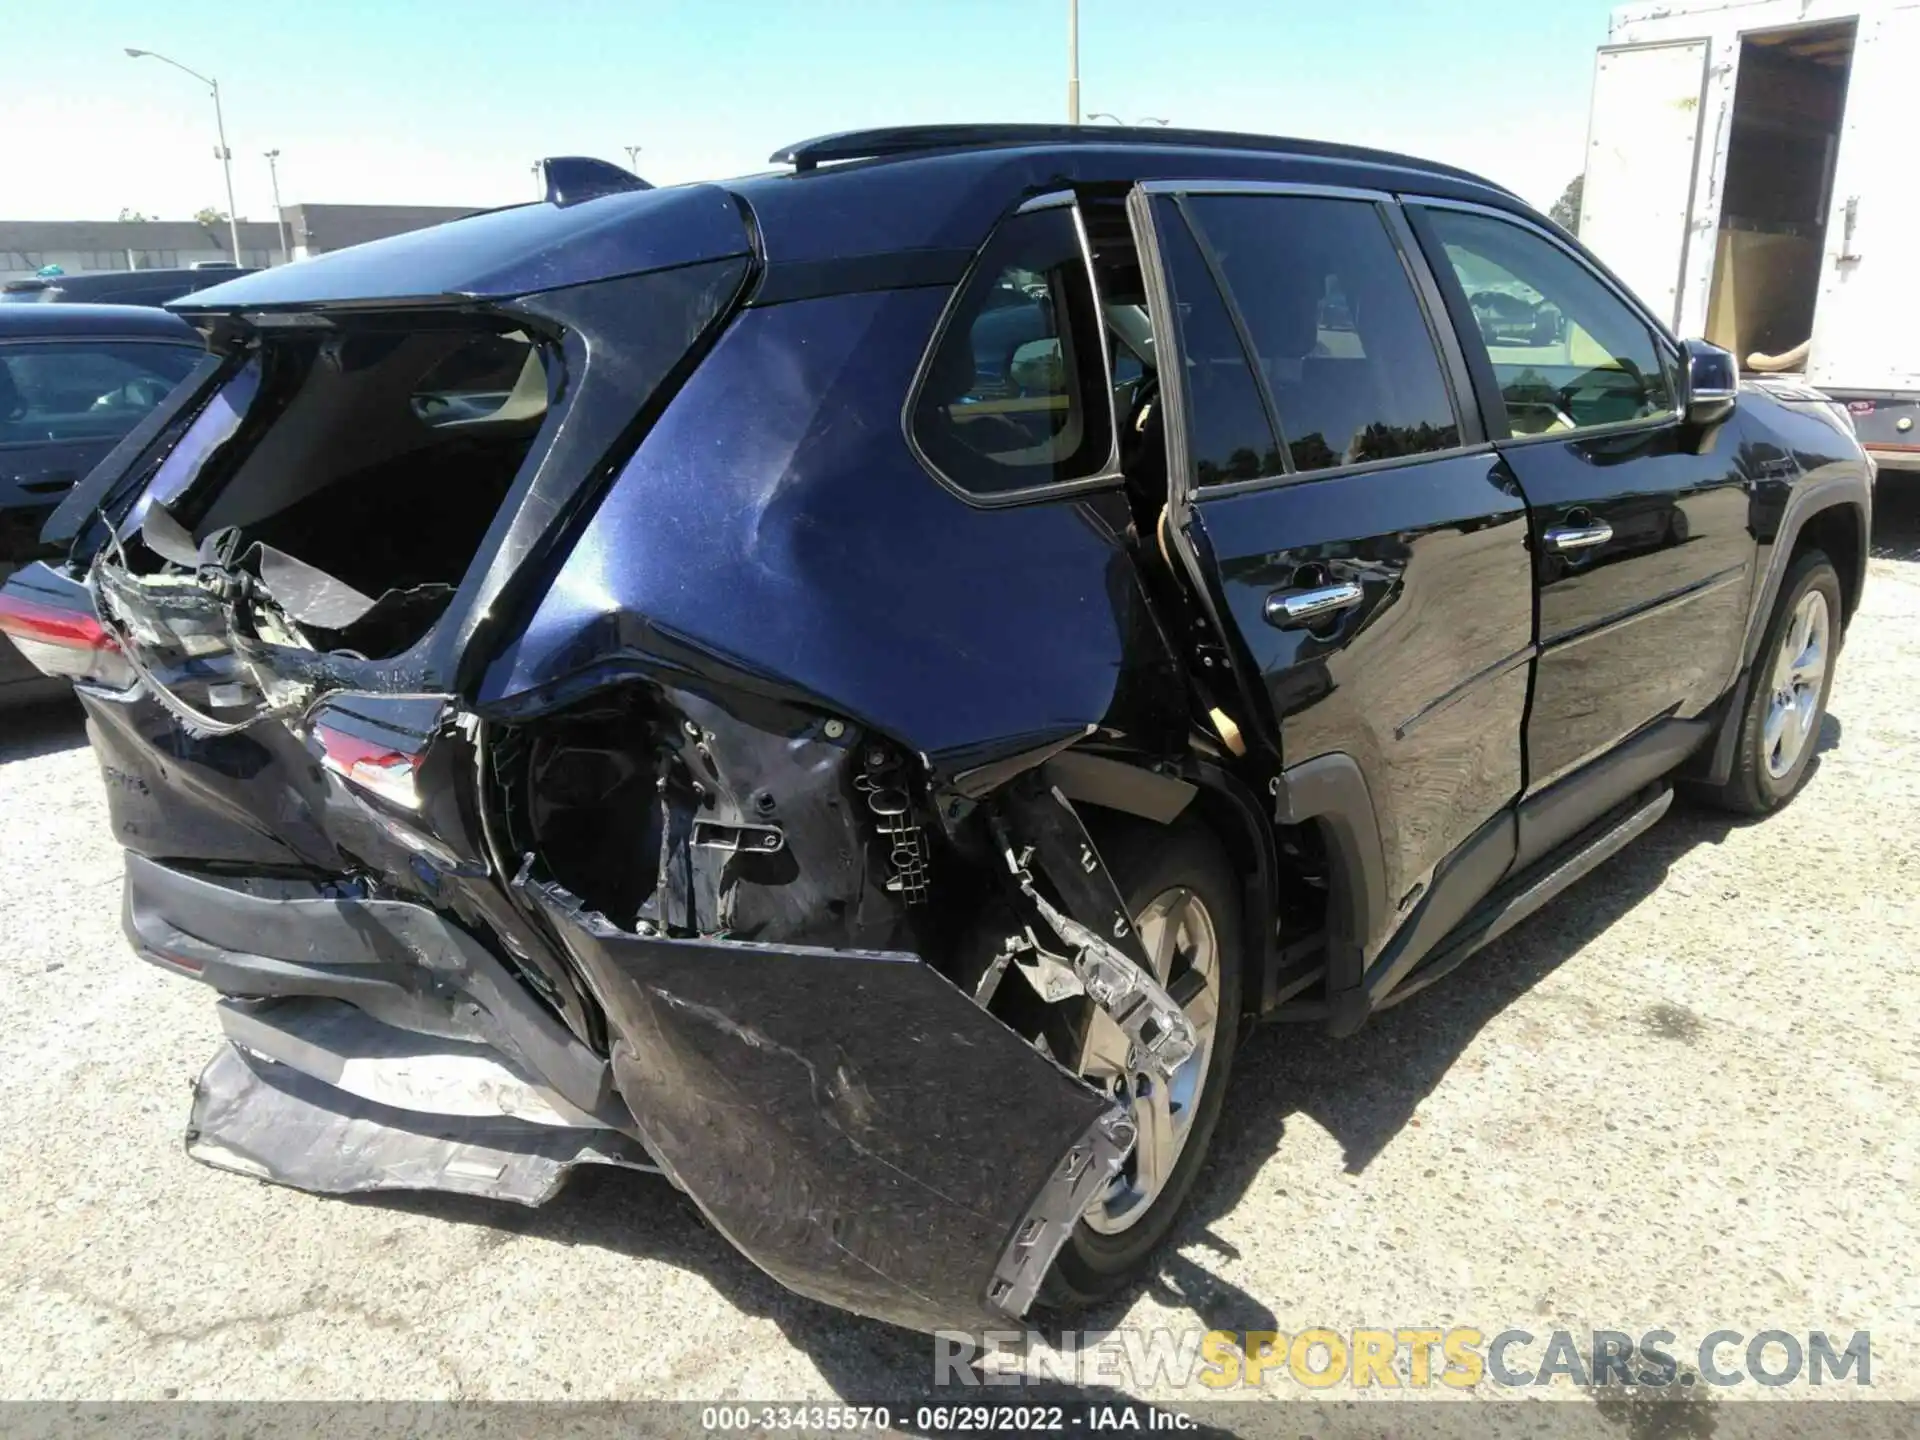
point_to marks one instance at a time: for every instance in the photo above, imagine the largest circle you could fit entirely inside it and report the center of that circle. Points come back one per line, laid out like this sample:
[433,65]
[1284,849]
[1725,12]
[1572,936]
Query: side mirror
[1712,382]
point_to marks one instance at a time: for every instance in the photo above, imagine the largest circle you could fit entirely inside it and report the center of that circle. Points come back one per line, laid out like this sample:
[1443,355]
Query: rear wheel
[1787,697]
[1185,900]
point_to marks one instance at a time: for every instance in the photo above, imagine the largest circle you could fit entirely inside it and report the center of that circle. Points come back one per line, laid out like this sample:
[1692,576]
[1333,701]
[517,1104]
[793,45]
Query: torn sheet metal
[850,1120]
[255,1117]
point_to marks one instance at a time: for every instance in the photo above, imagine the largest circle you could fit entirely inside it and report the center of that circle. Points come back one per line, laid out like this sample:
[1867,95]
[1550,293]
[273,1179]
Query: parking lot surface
[1681,1097]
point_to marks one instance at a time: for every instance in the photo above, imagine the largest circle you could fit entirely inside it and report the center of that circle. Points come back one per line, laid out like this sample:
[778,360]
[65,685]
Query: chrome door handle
[1288,608]
[1580,537]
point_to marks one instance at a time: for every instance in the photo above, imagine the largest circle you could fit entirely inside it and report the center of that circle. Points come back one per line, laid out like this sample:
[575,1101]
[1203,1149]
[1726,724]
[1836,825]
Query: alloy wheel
[1799,673]
[1179,938]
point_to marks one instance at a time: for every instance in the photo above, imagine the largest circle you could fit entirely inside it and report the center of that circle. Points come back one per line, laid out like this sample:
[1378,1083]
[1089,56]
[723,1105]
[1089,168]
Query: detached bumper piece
[373,1045]
[850,1120]
[262,1118]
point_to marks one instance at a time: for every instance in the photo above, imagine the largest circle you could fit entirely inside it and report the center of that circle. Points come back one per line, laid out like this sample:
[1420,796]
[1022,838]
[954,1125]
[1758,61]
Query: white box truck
[1751,173]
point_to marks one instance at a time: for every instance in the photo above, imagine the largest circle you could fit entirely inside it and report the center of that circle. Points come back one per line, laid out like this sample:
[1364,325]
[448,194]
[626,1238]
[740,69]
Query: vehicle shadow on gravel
[44,728]
[1364,1090]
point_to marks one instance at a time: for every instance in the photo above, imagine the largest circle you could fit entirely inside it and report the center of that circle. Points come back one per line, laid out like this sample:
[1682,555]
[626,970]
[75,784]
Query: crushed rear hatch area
[381,456]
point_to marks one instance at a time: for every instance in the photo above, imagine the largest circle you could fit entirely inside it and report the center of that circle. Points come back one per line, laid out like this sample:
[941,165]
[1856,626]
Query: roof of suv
[118,322]
[937,187]
[926,195]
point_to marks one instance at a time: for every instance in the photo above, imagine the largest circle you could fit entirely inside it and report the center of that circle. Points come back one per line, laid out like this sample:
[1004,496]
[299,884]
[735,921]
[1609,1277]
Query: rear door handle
[1290,608]
[1580,537]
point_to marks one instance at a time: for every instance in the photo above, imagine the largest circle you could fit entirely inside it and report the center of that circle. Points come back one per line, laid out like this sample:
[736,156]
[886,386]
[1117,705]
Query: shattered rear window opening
[344,509]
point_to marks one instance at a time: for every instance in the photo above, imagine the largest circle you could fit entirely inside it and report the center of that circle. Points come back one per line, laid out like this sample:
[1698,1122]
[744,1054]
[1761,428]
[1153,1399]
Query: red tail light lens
[372,767]
[58,641]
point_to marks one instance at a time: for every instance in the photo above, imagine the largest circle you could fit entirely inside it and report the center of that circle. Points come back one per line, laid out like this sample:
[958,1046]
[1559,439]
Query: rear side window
[1014,395]
[85,389]
[1567,352]
[1336,329]
[1227,428]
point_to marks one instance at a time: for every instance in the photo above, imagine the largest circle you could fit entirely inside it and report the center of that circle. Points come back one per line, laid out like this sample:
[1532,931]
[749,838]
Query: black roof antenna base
[572,179]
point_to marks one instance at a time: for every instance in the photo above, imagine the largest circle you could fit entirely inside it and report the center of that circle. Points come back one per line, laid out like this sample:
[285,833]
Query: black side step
[1533,888]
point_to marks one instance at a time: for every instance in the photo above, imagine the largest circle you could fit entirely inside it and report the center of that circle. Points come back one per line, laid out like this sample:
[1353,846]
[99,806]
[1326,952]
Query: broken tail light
[368,765]
[60,641]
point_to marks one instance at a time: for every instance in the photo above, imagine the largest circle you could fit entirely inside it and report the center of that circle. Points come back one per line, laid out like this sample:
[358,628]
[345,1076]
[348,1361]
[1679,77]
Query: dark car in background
[118,287]
[74,379]
[853,685]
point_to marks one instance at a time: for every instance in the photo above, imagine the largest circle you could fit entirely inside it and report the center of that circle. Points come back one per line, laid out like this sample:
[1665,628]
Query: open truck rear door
[1643,141]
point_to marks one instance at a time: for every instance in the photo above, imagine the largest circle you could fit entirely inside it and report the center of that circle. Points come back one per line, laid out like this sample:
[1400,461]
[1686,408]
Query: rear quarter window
[1013,396]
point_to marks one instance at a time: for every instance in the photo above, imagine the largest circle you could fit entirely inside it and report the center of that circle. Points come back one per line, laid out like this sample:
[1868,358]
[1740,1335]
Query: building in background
[316,229]
[28,246]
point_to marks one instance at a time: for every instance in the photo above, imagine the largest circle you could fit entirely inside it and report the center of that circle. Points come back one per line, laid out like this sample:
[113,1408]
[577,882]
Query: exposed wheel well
[1836,530]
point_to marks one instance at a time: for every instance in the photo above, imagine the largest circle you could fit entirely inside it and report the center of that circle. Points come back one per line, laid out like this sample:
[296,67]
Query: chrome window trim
[1202,494]
[1264,187]
[1052,200]
[1112,467]
[1109,476]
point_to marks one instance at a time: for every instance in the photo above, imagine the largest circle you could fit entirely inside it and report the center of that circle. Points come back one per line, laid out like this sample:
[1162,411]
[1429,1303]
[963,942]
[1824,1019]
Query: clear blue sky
[450,101]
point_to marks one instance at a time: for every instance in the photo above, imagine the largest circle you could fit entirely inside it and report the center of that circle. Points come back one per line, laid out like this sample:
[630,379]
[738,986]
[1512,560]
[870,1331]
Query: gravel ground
[1681,1096]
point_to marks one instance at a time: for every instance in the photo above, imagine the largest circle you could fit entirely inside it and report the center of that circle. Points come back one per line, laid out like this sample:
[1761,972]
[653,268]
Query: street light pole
[1073,62]
[279,215]
[633,157]
[220,127]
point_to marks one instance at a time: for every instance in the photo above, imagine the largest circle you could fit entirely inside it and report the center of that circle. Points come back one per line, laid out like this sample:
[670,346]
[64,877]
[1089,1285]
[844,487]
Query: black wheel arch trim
[1332,790]
[1810,498]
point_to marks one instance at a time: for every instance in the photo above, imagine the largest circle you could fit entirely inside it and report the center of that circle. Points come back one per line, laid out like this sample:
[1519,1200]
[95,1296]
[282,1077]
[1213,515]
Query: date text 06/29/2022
[943,1419]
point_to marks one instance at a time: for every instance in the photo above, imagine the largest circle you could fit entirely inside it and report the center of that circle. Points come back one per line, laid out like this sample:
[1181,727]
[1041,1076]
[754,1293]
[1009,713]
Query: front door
[1365,548]
[1641,542]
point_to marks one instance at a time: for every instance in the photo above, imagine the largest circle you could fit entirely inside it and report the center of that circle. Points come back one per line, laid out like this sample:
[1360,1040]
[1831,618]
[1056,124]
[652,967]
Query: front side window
[1567,352]
[1335,326]
[1015,394]
[85,389]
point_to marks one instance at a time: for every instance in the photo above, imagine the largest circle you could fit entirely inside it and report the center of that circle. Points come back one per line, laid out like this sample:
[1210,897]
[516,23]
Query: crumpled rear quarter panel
[775,518]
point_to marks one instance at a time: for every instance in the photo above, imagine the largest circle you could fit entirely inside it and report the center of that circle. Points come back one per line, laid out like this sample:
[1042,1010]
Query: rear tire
[1786,696]
[1147,863]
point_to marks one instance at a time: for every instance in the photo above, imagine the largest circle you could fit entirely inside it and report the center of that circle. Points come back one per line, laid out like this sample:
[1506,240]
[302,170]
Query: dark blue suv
[851,687]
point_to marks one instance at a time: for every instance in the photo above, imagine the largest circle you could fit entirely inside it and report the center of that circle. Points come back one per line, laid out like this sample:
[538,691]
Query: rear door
[1868,315]
[1364,547]
[1642,549]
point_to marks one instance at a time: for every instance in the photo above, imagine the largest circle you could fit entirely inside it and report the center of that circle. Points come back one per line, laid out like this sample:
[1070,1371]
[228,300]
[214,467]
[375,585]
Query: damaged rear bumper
[850,1120]
[372,1045]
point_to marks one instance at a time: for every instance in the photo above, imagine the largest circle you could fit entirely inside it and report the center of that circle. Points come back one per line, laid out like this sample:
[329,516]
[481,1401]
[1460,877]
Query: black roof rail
[911,139]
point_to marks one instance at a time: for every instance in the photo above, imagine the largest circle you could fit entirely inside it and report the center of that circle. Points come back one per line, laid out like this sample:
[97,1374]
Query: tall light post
[220,127]
[1073,62]
[633,157]
[279,215]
